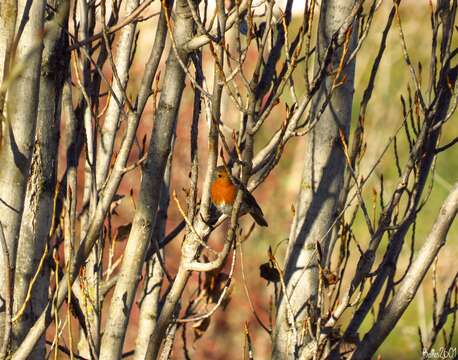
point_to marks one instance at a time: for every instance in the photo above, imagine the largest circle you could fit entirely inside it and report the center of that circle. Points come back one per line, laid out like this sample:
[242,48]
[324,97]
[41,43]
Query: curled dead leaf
[269,272]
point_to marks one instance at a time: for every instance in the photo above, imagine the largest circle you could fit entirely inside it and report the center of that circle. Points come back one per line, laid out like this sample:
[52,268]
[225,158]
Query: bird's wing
[254,209]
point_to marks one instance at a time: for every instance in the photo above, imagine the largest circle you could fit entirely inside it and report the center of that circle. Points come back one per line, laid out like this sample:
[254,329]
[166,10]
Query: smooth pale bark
[104,151]
[8,14]
[88,346]
[122,59]
[18,131]
[409,285]
[322,179]
[149,303]
[38,213]
[152,175]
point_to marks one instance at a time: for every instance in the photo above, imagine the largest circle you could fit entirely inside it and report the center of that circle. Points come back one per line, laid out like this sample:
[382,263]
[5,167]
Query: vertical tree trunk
[8,14]
[18,129]
[88,345]
[38,214]
[122,60]
[149,303]
[322,178]
[102,161]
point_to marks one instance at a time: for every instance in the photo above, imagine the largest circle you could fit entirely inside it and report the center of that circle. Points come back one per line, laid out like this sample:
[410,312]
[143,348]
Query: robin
[223,193]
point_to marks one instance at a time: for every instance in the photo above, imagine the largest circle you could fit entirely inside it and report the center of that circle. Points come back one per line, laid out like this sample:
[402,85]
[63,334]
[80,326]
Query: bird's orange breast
[223,191]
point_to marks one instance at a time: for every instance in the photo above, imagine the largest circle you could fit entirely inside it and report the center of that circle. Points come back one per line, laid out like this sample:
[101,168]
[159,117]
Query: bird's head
[221,174]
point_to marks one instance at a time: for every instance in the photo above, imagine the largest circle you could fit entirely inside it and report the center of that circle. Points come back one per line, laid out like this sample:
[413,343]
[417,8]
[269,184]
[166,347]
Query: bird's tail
[258,216]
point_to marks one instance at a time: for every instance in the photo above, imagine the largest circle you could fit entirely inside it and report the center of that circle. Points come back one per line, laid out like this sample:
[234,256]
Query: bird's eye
[219,175]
